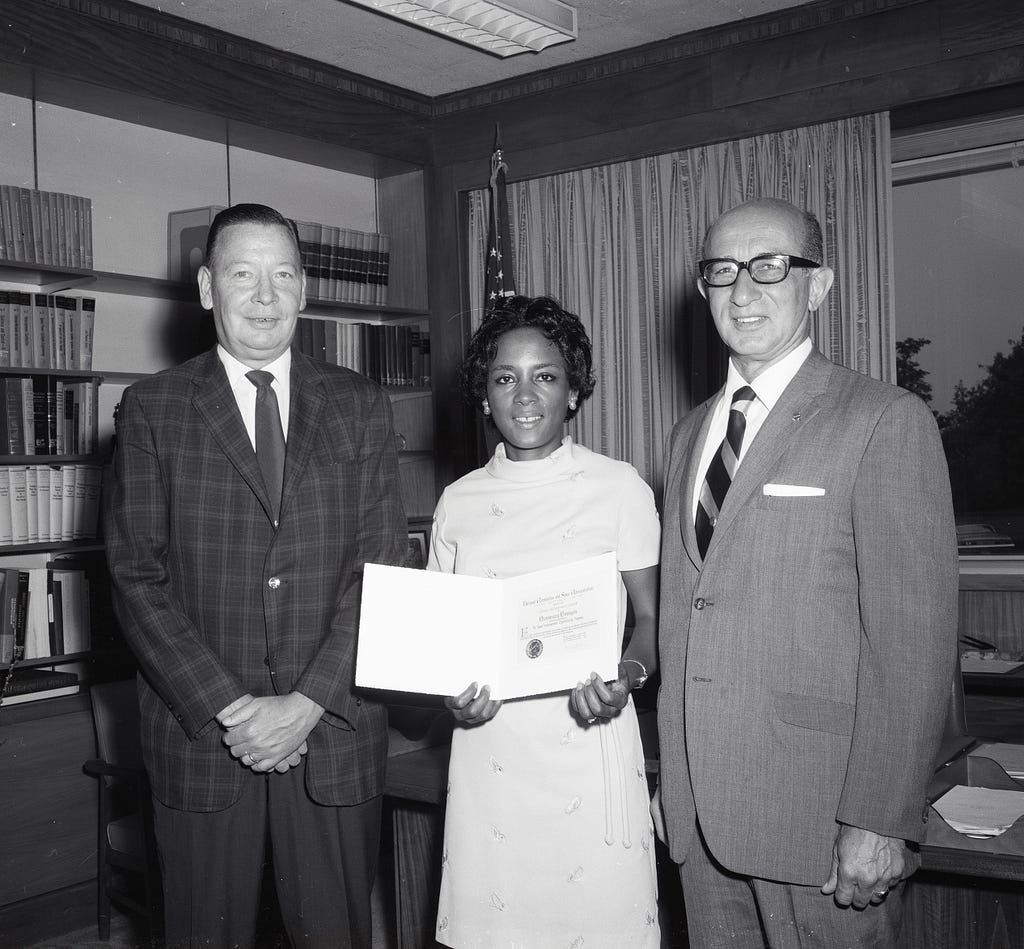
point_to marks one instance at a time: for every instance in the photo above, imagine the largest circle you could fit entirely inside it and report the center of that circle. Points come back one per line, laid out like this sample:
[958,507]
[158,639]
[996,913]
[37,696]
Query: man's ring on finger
[252,759]
[881,893]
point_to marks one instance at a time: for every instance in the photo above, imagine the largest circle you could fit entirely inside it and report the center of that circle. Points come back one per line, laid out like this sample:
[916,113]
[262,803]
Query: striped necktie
[722,468]
[270,446]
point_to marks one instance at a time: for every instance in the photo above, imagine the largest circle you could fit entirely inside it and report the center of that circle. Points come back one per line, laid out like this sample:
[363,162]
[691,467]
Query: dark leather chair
[955,739]
[127,870]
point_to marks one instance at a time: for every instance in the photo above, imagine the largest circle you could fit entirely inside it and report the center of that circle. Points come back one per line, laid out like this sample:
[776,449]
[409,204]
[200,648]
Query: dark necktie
[722,468]
[270,445]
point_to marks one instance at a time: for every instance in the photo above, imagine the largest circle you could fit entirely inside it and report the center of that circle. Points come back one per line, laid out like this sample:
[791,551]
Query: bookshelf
[147,320]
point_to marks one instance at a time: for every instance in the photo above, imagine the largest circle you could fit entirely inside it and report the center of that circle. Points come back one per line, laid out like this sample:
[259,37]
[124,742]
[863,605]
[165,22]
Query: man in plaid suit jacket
[245,625]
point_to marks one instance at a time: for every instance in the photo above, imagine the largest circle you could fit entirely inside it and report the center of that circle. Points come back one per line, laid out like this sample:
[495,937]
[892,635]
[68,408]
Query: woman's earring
[572,405]
[487,408]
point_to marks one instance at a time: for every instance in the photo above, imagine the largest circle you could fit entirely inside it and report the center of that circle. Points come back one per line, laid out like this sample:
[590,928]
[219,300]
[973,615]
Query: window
[959,291]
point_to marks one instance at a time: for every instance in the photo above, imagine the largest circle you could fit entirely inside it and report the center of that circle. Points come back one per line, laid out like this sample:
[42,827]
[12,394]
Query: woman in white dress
[548,837]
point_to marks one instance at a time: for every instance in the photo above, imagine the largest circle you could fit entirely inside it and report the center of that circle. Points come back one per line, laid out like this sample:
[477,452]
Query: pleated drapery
[617,244]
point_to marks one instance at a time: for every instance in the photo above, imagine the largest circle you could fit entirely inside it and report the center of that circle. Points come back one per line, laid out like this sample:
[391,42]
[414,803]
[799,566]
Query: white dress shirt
[245,391]
[768,387]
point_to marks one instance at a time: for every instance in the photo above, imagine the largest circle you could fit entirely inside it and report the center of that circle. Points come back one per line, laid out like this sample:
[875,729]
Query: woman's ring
[252,760]
[590,721]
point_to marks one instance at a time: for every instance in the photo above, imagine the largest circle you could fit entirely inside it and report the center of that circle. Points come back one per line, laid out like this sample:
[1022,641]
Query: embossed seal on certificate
[534,648]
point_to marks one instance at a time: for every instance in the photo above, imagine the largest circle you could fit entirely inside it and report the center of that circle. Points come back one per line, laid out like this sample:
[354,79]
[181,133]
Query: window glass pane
[959,264]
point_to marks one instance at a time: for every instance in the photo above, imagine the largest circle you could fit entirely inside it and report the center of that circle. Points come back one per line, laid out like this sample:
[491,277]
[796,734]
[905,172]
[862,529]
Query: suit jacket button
[699,603]
[359,701]
[274,583]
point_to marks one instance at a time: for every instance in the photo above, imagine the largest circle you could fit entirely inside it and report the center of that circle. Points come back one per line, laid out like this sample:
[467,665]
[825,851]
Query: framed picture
[419,540]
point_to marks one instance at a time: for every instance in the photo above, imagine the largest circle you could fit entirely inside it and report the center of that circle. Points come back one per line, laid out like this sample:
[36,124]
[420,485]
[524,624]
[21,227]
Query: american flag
[499,279]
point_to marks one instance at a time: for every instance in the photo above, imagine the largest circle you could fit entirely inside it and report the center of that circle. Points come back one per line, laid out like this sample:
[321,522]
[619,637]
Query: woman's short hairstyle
[247,214]
[562,328]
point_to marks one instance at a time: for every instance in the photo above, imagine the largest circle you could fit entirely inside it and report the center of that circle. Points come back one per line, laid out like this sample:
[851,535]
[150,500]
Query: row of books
[46,330]
[45,227]
[41,504]
[45,415]
[389,353]
[44,611]
[28,685]
[343,265]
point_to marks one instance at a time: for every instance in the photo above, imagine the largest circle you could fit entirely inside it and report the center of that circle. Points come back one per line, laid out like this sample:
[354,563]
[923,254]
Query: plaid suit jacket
[216,603]
[806,661]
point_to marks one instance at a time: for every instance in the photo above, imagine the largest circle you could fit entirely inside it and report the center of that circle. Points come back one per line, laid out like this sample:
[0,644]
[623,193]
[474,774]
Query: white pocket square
[792,491]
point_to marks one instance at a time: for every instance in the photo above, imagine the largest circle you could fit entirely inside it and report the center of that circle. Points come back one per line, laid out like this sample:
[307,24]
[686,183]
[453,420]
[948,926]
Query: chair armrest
[99,768]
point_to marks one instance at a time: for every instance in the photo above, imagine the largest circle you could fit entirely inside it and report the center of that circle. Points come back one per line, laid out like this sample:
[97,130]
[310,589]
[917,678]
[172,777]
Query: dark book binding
[35,680]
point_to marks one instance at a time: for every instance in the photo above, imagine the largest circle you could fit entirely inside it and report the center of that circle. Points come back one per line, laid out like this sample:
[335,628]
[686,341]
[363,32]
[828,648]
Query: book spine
[56,501]
[86,323]
[32,496]
[43,501]
[27,339]
[69,485]
[6,516]
[5,328]
[28,414]
[21,614]
[9,580]
[19,504]
[40,331]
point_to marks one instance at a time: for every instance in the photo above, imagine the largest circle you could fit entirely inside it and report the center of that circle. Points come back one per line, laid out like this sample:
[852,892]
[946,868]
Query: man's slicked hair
[247,214]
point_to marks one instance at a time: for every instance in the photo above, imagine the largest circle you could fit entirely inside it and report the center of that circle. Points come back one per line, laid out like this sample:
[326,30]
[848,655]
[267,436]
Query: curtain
[617,244]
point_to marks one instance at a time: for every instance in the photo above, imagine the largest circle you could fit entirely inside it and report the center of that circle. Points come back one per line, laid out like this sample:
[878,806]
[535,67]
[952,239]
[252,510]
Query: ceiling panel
[350,37]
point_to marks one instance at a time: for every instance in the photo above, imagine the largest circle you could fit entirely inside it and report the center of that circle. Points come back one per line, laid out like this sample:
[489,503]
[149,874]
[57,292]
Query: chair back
[115,710]
[955,739]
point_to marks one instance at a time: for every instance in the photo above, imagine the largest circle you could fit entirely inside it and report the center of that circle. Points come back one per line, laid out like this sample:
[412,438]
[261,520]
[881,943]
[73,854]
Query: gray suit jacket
[806,662]
[215,602]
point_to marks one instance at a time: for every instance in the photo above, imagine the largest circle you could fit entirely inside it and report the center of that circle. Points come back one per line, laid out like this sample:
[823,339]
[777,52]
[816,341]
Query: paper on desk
[434,633]
[980,812]
[1009,757]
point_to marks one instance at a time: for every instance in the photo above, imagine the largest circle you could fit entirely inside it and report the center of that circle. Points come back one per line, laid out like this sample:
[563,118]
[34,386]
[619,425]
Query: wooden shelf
[52,460]
[37,662]
[60,373]
[53,546]
[53,279]
[45,276]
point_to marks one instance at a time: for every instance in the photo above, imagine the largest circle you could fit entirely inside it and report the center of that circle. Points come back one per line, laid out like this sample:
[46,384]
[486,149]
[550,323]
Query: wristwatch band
[639,684]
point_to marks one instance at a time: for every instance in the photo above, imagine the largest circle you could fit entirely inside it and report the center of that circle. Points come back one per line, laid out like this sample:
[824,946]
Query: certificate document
[429,632]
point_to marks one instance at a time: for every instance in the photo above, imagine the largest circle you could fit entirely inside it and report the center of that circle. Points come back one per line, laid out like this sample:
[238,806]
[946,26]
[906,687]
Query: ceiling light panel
[494,26]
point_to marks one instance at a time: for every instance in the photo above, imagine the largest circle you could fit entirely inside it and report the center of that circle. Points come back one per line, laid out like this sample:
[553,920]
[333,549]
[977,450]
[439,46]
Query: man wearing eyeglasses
[808,614]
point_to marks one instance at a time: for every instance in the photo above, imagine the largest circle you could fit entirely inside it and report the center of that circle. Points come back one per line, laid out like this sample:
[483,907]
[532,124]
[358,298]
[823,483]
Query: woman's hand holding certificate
[596,698]
[471,707]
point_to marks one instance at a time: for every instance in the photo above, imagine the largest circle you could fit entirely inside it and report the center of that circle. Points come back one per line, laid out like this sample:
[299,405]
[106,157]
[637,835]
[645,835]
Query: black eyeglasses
[764,268]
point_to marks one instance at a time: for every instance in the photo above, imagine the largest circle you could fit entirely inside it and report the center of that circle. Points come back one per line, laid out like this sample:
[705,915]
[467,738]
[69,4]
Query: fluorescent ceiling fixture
[496,26]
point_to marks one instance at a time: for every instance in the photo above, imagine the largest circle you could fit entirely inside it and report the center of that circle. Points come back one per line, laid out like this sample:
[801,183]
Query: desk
[1002,683]
[966,898]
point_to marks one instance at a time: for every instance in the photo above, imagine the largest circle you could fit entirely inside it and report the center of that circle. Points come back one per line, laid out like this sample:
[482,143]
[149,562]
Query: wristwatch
[643,677]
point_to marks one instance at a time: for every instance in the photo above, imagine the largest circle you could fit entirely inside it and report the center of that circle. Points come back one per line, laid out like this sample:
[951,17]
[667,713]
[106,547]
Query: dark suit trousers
[324,859]
[728,911]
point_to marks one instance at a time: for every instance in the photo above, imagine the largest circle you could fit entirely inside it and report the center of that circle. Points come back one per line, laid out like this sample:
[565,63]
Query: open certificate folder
[428,632]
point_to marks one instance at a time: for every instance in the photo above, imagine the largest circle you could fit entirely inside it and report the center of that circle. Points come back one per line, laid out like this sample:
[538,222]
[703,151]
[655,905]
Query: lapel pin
[796,418]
